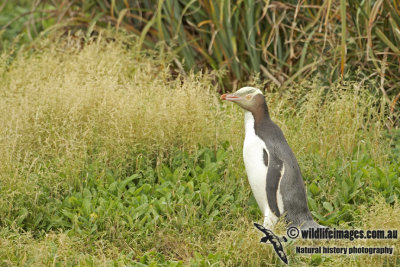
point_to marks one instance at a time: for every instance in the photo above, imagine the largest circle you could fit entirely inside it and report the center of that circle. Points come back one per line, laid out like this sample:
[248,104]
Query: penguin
[272,169]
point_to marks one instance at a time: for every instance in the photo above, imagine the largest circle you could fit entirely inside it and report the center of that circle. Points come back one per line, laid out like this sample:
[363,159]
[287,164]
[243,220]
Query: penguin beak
[229,97]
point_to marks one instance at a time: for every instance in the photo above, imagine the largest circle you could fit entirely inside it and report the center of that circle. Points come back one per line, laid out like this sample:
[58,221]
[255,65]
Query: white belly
[255,168]
[253,157]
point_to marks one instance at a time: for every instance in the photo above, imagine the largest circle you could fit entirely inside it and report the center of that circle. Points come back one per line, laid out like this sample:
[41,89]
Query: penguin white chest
[253,157]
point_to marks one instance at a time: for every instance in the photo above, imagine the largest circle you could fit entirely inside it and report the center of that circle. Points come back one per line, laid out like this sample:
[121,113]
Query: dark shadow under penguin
[272,169]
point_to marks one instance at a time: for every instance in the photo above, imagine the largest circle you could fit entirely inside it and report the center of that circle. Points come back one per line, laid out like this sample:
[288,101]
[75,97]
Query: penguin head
[248,98]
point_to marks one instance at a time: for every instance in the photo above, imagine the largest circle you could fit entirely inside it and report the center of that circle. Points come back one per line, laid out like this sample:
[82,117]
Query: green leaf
[314,189]
[327,206]
[86,206]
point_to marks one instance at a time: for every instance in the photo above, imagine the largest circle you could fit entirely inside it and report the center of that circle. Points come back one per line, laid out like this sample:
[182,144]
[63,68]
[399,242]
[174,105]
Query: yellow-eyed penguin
[272,169]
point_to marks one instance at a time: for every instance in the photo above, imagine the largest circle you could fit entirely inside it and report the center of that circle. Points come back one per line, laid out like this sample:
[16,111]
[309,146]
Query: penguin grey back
[291,184]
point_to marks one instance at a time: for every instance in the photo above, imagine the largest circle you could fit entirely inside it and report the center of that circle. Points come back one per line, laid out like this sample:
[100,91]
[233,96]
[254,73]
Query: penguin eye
[248,97]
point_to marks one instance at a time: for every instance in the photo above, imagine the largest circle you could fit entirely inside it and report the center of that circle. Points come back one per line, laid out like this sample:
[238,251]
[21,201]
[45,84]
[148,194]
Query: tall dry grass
[285,41]
[61,106]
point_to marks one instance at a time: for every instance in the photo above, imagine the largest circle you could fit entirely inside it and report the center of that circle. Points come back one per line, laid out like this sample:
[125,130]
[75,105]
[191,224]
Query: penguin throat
[249,122]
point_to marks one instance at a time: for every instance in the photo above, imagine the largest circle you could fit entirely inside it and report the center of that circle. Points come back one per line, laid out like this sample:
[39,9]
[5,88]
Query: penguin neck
[260,113]
[256,117]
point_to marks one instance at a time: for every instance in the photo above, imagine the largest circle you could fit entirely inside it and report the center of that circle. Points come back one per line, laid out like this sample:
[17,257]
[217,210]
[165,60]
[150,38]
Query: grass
[109,159]
[284,41]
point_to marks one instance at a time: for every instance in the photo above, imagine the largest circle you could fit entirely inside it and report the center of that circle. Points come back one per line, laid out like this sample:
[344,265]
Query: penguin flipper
[274,175]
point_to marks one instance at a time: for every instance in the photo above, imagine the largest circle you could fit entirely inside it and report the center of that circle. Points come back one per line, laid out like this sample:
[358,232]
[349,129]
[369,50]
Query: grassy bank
[107,158]
[284,41]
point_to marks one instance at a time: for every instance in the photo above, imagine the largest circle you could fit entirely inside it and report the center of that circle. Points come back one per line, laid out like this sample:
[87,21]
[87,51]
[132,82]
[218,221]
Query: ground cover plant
[109,159]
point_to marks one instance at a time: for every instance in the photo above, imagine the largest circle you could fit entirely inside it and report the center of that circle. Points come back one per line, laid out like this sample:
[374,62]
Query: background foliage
[285,41]
[115,148]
